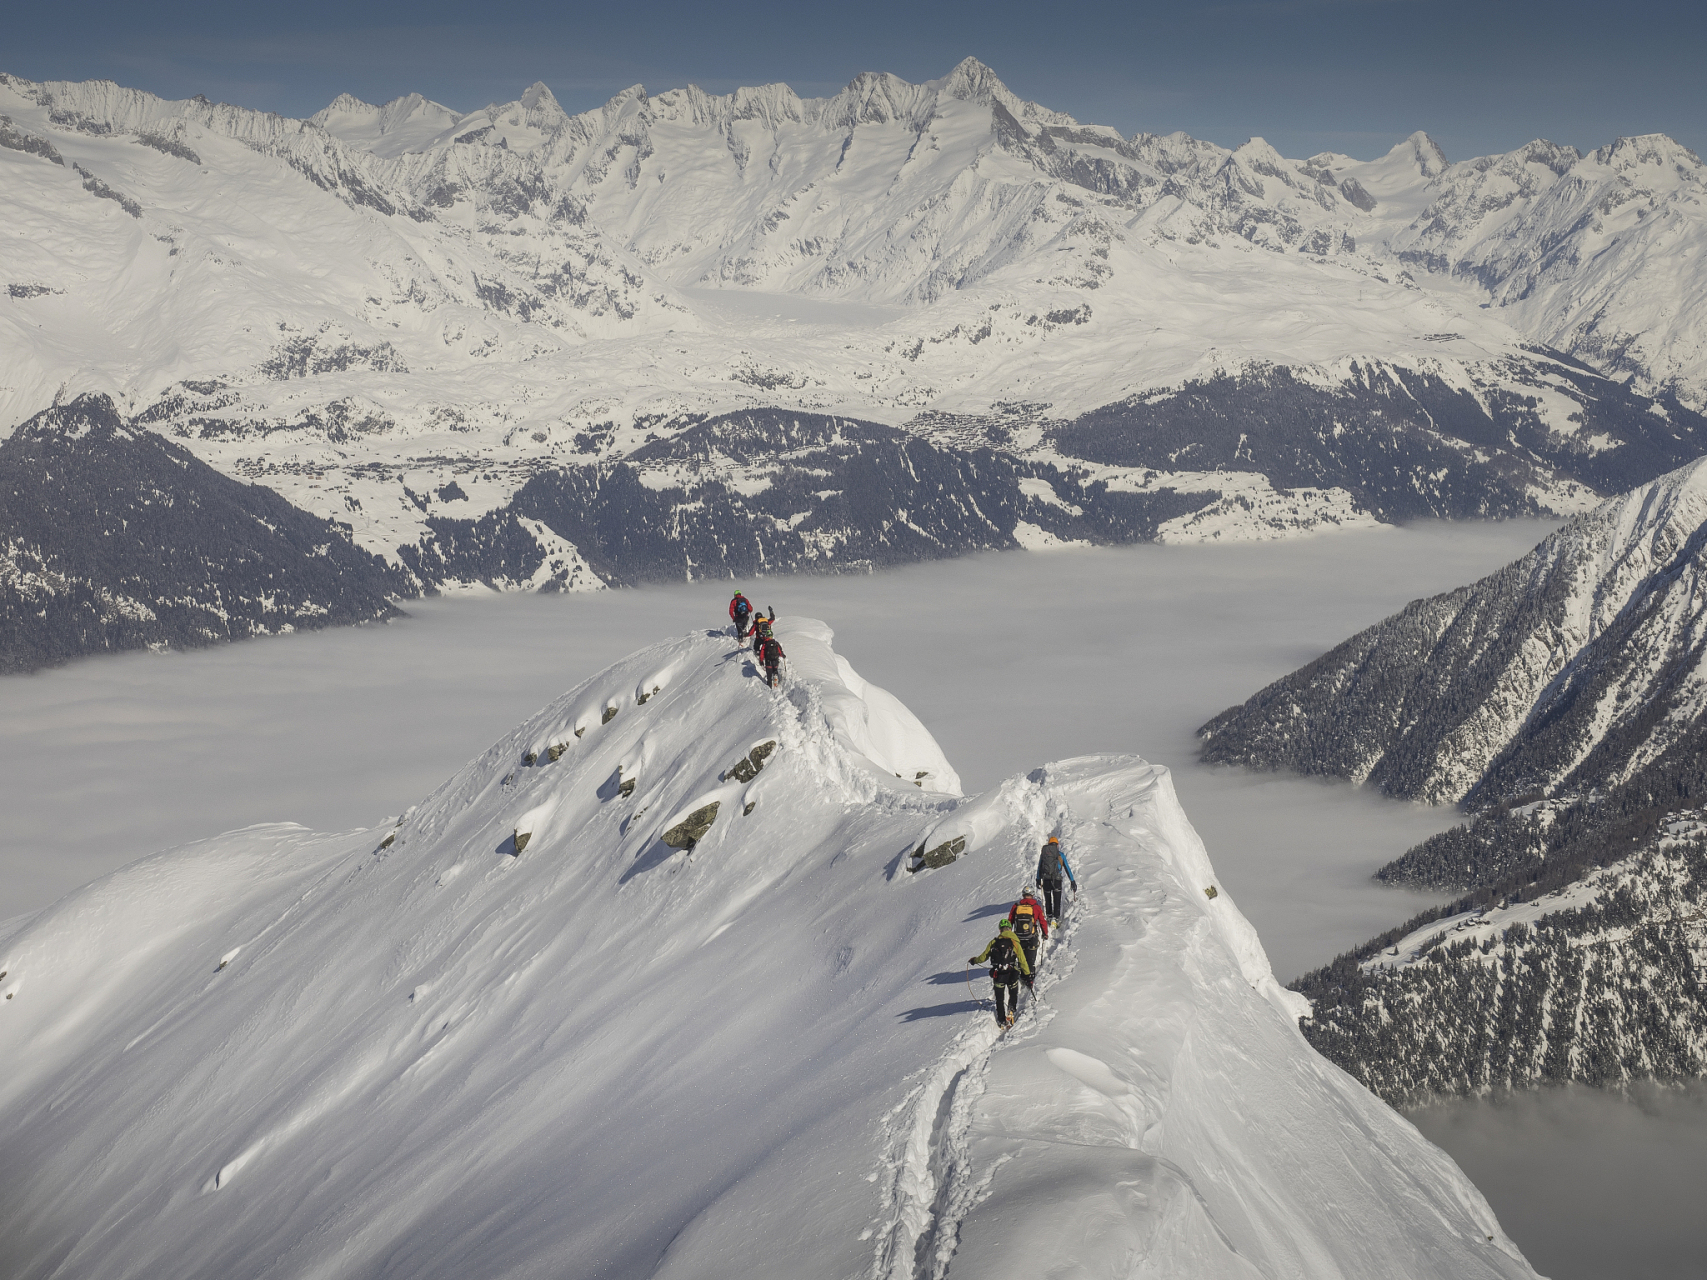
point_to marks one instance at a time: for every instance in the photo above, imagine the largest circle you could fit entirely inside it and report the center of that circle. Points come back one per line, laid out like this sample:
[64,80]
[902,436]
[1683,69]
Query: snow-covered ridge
[422,1048]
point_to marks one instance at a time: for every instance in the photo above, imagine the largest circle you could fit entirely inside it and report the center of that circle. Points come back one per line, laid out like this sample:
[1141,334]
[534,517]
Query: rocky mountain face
[1575,672]
[116,538]
[1595,255]
[425,324]
[1561,702]
[1598,981]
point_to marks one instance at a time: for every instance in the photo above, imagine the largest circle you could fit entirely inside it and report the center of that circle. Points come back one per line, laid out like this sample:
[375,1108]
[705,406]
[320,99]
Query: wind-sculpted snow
[425,1050]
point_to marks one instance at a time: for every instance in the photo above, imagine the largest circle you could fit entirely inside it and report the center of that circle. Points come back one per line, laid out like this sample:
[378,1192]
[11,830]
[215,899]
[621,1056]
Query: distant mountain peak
[344,102]
[1430,157]
[537,97]
[973,81]
[402,124]
[1648,149]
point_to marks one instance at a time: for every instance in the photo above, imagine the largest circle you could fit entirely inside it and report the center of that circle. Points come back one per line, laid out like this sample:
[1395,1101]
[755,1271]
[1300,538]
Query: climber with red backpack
[1007,966]
[1030,926]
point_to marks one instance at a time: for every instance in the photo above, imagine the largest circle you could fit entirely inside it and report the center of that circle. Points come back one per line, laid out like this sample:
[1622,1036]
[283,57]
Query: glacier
[431,1048]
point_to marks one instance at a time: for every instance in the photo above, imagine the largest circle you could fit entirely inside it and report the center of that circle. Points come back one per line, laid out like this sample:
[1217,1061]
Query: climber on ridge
[740,609]
[1050,865]
[762,628]
[1030,927]
[1007,965]
[769,651]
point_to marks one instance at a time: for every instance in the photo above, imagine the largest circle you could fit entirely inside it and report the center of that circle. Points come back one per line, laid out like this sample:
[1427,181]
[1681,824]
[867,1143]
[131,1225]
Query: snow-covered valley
[412,1047]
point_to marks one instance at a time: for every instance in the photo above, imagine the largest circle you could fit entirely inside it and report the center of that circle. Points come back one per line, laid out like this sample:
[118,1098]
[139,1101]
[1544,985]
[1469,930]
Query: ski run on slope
[518,1034]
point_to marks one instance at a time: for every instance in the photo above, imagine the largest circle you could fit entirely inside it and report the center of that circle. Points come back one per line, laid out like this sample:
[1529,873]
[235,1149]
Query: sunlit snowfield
[1011,660]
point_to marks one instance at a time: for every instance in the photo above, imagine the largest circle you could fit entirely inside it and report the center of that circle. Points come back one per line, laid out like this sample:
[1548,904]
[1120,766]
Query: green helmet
[1005,924]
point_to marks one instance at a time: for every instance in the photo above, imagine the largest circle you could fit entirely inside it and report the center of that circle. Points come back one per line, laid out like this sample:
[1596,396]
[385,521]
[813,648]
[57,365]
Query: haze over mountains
[494,345]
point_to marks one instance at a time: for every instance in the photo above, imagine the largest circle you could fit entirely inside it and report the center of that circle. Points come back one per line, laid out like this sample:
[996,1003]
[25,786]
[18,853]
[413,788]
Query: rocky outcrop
[930,859]
[691,829]
[747,768]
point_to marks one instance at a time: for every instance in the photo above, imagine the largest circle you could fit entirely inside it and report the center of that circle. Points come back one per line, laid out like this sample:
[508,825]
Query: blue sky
[1309,75]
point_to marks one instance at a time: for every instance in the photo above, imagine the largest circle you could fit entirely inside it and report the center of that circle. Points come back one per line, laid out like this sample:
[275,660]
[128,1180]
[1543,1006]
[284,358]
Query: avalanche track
[518,1034]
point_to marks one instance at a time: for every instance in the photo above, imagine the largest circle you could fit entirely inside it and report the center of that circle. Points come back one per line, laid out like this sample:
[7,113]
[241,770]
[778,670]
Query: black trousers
[770,675]
[1030,946]
[1007,994]
[1051,898]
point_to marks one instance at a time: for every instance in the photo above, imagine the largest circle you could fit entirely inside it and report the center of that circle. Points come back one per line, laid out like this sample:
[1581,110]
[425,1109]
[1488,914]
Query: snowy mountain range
[1561,702]
[382,305]
[645,989]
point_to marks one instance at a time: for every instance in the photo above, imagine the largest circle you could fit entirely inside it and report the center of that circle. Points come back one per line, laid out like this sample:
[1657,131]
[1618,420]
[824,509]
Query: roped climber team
[767,650]
[1012,953]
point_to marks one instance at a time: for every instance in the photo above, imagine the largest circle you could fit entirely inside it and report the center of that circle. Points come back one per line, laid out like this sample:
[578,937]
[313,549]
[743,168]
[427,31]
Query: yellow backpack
[1025,920]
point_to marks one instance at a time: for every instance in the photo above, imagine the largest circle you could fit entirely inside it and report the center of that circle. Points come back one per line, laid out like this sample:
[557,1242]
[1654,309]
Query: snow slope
[415,1051]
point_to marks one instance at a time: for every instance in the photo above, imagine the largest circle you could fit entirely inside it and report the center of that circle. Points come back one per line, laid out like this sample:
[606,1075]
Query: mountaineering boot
[1009,1022]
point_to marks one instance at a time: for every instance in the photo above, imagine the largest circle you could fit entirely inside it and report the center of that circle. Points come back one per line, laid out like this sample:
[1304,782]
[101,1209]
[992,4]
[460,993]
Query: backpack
[743,606]
[1002,955]
[1025,920]
[1049,865]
